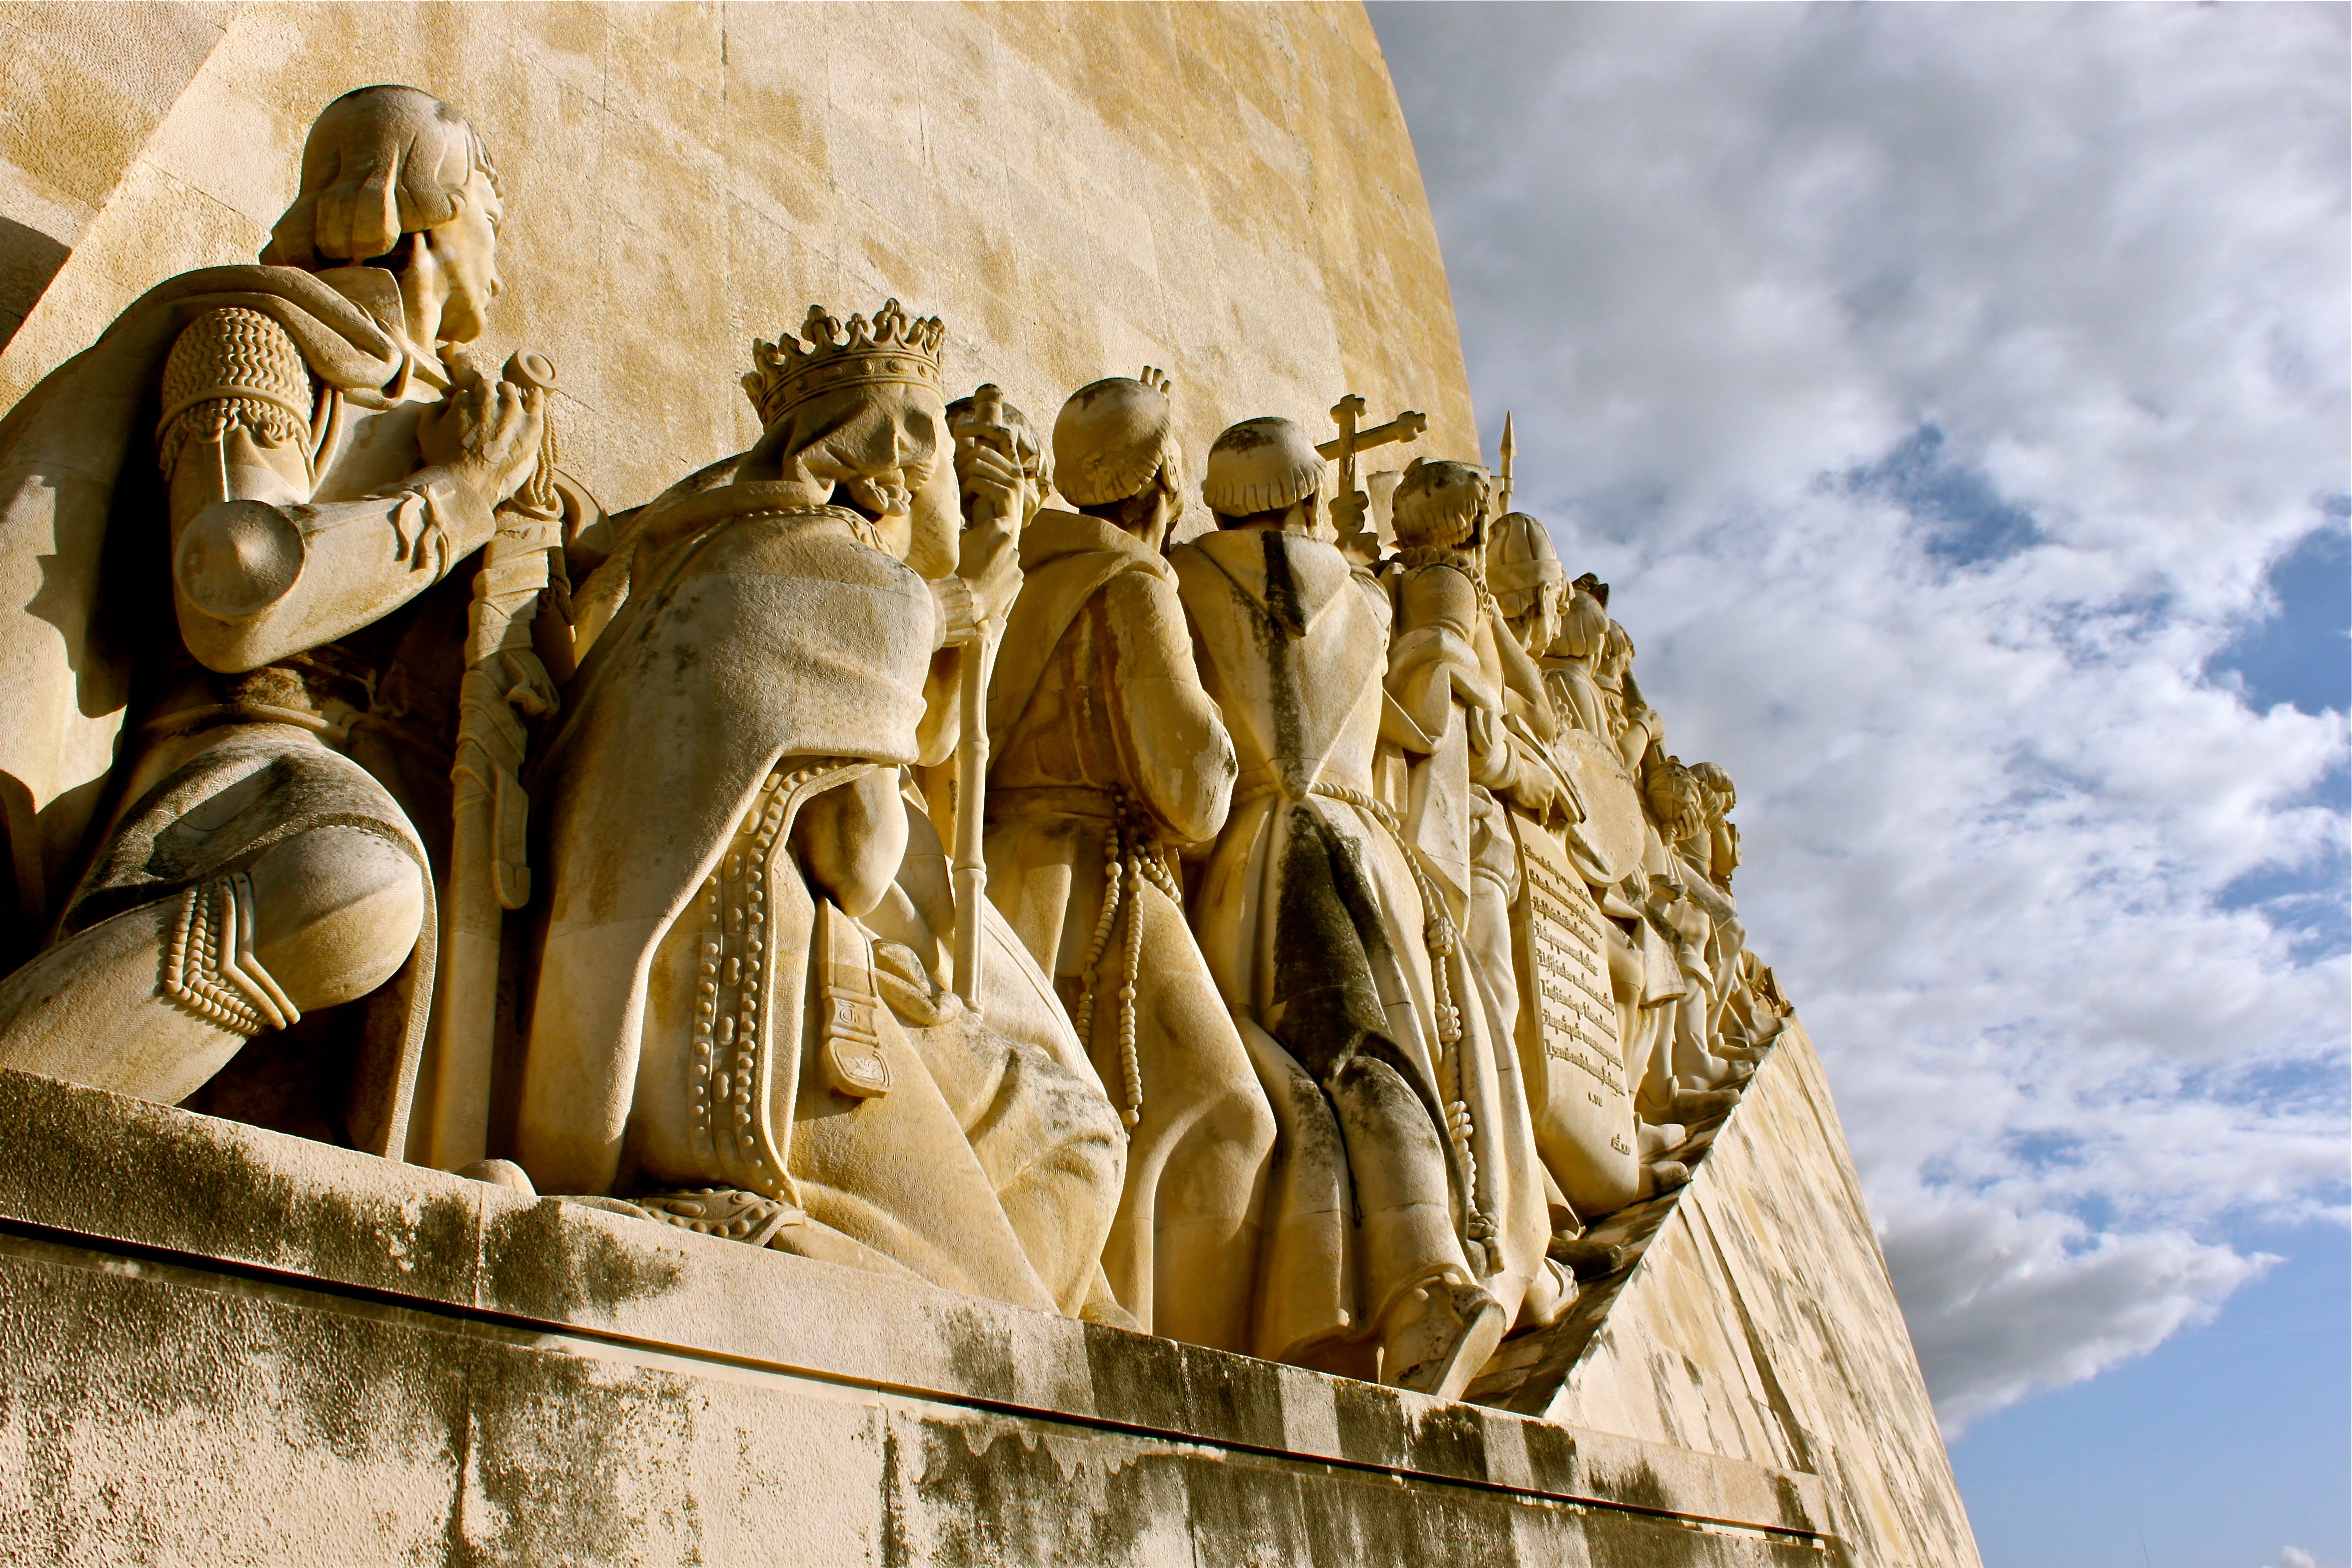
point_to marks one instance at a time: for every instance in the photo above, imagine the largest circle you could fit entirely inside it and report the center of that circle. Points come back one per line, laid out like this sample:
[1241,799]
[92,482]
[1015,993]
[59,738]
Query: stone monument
[619,952]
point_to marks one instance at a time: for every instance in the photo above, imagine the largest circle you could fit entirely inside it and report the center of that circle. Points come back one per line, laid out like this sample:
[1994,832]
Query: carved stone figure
[1529,584]
[1723,852]
[1573,960]
[1695,915]
[1572,662]
[1338,961]
[1108,762]
[1483,778]
[295,454]
[1260,942]
[715,1035]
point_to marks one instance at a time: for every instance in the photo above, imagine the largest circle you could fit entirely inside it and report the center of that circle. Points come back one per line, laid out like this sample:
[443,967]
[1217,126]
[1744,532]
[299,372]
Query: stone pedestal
[220,1344]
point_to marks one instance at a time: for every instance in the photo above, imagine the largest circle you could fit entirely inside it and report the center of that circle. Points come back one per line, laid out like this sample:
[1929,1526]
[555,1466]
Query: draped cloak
[1107,757]
[686,984]
[85,543]
[1312,920]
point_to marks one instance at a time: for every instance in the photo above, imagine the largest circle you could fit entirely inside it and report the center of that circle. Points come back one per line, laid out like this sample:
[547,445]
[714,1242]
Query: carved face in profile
[881,449]
[1539,626]
[464,252]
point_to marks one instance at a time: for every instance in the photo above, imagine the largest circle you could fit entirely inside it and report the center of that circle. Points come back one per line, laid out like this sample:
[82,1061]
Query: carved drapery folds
[1353,945]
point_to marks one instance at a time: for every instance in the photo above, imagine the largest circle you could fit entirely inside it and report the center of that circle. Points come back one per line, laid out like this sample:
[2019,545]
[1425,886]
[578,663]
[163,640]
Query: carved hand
[990,566]
[484,432]
[1357,539]
[992,483]
[529,688]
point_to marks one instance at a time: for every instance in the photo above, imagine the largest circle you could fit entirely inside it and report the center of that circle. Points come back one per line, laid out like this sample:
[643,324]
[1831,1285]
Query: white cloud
[2296,1557]
[1936,386]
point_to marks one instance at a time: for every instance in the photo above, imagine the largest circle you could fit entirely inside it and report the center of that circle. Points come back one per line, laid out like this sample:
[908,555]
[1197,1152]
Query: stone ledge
[198,1209]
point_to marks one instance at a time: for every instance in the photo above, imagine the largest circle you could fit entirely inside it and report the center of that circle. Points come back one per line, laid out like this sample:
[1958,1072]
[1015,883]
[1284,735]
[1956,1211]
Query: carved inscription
[1571,969]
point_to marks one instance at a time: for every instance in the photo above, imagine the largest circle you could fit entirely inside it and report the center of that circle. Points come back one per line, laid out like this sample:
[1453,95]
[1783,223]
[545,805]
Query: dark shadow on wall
[28,260]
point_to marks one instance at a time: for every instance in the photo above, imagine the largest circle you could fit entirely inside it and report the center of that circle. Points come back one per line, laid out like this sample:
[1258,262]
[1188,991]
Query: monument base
[222,1344]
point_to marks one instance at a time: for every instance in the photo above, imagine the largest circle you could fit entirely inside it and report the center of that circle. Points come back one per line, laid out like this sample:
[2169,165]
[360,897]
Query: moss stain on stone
[545,1262]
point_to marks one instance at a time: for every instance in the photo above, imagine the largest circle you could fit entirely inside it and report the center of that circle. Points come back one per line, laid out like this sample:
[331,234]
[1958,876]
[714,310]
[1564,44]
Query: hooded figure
[1483,777]
[1108,762]
[1329,945]
[736,1024]
[226,521]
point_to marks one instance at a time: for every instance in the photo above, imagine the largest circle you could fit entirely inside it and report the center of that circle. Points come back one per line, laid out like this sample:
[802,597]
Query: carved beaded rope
[1132,852]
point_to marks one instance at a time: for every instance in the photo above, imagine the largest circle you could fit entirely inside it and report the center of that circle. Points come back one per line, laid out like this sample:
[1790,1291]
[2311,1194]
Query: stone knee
[336,912]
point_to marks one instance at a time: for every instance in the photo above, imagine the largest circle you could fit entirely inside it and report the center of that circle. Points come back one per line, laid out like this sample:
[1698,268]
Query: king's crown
[892,347]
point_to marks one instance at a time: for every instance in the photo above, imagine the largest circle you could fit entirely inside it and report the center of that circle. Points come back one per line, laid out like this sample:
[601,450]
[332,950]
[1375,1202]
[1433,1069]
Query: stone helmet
[1715,782]
[1520,562]
[1439,504]
[1584,625]
[1261,465]
[1112,438]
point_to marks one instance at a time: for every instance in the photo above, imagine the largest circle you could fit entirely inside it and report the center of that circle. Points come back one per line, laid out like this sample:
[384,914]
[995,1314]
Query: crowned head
[854,417]
[894,349]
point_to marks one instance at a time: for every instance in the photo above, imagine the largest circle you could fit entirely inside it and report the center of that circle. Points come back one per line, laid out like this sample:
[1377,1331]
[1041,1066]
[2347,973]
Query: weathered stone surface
[229,1344]
[1075,189]
[1760,1324]
[435,1370]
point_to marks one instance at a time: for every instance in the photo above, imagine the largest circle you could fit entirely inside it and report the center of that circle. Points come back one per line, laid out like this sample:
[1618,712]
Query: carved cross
[1407,426]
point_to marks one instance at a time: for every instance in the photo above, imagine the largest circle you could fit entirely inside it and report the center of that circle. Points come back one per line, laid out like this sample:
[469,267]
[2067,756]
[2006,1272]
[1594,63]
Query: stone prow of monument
[330,1230]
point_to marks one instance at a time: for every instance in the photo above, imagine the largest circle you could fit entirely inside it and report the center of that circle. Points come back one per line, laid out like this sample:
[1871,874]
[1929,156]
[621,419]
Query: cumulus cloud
[2296,1557]
[1939,387]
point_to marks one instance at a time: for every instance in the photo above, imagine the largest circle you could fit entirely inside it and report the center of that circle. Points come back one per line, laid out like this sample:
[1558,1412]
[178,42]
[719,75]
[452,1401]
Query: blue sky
[1956,399]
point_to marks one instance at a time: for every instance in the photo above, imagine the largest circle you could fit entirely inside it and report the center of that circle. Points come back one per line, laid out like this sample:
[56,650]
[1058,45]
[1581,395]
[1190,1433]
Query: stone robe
[1449,636]
[1312,920]
[1107,759]
[702,1017]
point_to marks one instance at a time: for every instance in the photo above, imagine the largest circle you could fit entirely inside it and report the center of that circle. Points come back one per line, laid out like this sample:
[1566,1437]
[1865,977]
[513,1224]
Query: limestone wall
[1761,1325]
[1225,191]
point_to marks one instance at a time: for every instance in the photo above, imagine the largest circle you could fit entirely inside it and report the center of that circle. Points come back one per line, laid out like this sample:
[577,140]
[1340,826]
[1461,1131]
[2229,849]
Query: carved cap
[1261,465]
[1439,503]
[1110,439]
[380,162]
[1520,557]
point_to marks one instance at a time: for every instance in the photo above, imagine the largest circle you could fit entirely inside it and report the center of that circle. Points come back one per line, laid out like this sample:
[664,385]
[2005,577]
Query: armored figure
[187,807]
